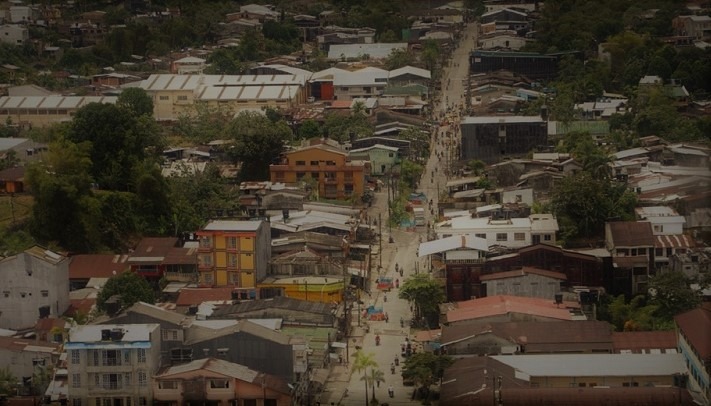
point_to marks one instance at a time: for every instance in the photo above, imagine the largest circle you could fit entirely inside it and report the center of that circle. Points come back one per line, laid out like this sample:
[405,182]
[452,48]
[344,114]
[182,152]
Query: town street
[346,387]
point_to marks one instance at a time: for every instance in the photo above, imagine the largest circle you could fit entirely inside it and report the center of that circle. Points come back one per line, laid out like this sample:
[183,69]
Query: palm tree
[376,376]
[362,363]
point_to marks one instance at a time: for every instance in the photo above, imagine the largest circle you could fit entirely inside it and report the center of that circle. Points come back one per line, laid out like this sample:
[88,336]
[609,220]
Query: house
[112,364]
[529,64]
[334,35]
[668,231]
[12,180]
[218,381]
[490,138]
[304,261]
[631,245]
[403,146]
[83,267]
[291,311]
[346,52]
[189,65]
[694,343]
[14,34]
[462,257]
[363,83]
[527,281]
[113,80]
[527,337]
[35,285]
[258,12]
[175,95]
[501,40]
[511,232]
[565,379]
[440,15]
[408,75]
[510,308]
[333,175]
[22,357]
[233,253]
[382,157]
[320,243]
[695,26]
[324,289]
[41,111]
[158,257]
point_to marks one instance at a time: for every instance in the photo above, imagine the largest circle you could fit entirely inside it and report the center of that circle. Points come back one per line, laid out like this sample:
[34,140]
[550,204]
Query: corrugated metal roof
[559,365]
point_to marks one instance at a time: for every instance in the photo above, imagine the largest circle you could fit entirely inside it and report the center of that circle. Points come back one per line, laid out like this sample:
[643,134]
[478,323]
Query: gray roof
[92,333]
[232,225]
[502,119]
[10,143]
[279,302]
[452,243]
[375,51]
[595,364]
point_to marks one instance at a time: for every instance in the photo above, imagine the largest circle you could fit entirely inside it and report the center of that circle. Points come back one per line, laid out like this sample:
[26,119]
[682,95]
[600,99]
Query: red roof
[631,233]
[637,341]
[504,304]
[523,272]
[47,324]
[341,104]
[195,296]
[695,325]
[96,266]
[82,306]
[674,241]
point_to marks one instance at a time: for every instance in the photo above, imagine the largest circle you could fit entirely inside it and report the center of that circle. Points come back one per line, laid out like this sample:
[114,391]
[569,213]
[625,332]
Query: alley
[348,388]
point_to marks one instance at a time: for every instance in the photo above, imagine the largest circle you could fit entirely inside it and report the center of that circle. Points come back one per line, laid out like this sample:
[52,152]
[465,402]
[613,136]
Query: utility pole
[380,226]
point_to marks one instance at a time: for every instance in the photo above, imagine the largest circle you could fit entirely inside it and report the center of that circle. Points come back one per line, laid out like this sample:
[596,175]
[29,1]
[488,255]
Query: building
[217,381]
[35,285]
[345,52]
[83,267]
[644,342]
[334,176]
[529,64]
[12,180]
[158,257]
[334,35]
[694,344]
[189,65]
[112,364]
[233,253]
[41,111]
[324,289]
[22,357]
[409,75]
[490,138]
[14,34]
[527,337]
[176,95]
[697,27]
[631,245]
[382,158]
[529,282]
[511,233]
[504,308]
[290,311]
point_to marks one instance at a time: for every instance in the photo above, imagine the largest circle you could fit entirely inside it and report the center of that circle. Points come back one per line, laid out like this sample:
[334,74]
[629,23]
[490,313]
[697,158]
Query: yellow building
[233,253]
[337,176]
[325,289]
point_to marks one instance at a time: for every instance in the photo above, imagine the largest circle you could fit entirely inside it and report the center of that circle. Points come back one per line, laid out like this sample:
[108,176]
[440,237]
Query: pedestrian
[386,317]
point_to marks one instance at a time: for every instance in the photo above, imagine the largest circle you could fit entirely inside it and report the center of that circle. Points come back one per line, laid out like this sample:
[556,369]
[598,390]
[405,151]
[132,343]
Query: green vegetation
[129,286]
[425,294]
[425,369]
[364,361]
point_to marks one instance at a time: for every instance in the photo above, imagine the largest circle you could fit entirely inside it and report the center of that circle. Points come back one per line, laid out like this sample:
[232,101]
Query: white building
[14,34]
[35,284]
[665,220]
[511,233]
[112,364]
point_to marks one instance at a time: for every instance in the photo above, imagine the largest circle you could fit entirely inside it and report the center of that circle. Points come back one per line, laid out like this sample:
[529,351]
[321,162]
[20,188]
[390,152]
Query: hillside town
[355,202]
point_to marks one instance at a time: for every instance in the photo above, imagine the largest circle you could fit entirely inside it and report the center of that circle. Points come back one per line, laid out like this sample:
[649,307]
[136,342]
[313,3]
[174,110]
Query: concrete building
[631,245]
[189,65]
[14,34]
[505,308]
[382,157]
[41,111]
[112,364]
[23,357]
[512,233]
[233,253]
[216,381]
[334,175]
[694,343]
[35,285]
[490,138]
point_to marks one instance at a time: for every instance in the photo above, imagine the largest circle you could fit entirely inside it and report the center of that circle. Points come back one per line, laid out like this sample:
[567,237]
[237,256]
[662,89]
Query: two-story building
[158,257]
[218,382]
[14,34]
[631,245]
[490,138]
[333,174]
[112,364]
[23,357]
[34,284]
[233,253]
[511,233]
[668,232]
[382,158]
[694,343]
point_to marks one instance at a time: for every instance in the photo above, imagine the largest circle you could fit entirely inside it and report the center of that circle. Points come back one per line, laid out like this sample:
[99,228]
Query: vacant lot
[16,208]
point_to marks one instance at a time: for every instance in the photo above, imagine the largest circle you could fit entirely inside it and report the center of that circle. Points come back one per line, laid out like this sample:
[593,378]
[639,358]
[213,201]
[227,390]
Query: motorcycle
[385,298]
[397,361]
[392,368]
[402,322]
[391,392]
[377,340]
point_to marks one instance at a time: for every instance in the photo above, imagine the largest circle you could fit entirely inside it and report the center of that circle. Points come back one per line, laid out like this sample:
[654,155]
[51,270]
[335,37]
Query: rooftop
[503,120]
[468,241]
[232,225]
[695,325]
[631,233]
[195,296]
[523,272]
[503,304]
[89,266]
[93,333]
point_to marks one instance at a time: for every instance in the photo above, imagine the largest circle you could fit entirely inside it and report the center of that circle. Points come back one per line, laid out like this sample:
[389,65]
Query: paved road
[345,386]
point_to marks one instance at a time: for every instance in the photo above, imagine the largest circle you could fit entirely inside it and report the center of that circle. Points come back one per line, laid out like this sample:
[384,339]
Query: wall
[698,374]
[531,285]
[483,344]
[612,381]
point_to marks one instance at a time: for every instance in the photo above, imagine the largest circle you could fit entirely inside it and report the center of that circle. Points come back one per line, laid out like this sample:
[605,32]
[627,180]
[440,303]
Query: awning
[673,241]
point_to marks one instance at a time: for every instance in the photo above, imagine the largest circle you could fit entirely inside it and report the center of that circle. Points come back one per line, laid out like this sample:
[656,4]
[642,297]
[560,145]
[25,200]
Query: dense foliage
[129,286]
[425,294]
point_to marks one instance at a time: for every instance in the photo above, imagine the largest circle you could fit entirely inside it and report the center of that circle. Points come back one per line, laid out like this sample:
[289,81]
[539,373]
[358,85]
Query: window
[76,380]
[231,259]
[207,277]
[127,357]
[300,175]
[205,260]
[315,175]
[331,163]
[45,293]
[183,98]
[142,401]
[205,242]
[142,378]
[110,358]
[232,242]
[219,383]
[168,385]
[480,235]
[659,252]
[313,163]
[111,381]
[390,154]
[164,98]
[76,358]
[658,228]
[546,237]
[300,163]
[141,352]
[519,236]
[76,402]
[6,293]
[501,237]
[233,278]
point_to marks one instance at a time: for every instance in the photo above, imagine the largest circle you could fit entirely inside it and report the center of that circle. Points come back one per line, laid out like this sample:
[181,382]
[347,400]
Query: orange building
[234,253]
[336,175]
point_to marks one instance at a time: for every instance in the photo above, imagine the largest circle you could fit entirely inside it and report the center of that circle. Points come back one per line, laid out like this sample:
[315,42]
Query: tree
[258,142]
[672,293]
[425,368]
[399,58]
[309,129]
[364,361]
[410,173]
[136,101]
[8,382]
[375,376]
[129,286]
[477,166]
[203,123]
[425,293]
